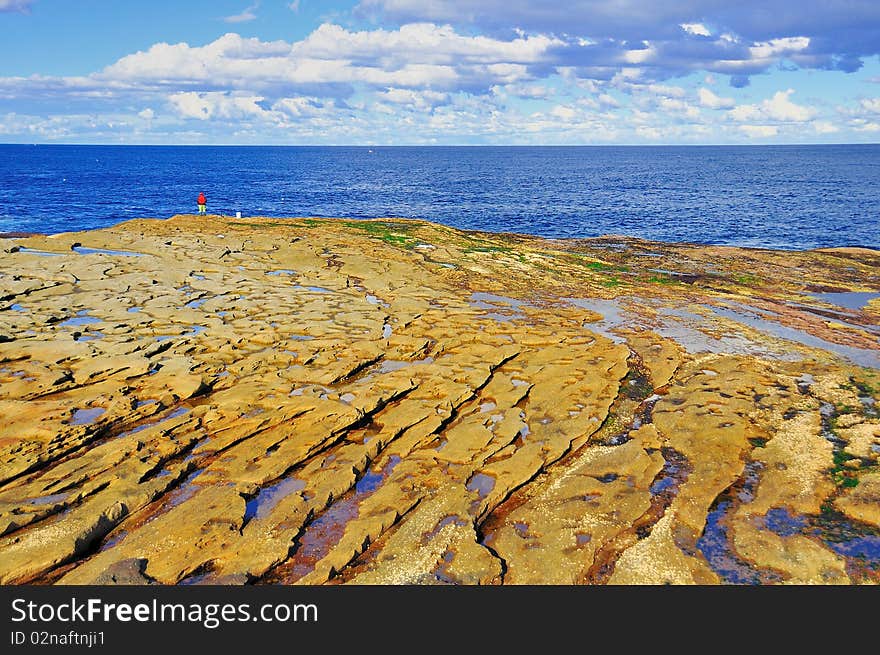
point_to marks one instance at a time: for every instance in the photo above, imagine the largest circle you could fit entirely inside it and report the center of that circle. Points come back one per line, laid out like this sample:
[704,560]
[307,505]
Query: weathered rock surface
[318,401]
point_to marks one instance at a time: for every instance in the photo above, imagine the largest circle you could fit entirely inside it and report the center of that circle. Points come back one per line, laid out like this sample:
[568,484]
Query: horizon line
[445,145]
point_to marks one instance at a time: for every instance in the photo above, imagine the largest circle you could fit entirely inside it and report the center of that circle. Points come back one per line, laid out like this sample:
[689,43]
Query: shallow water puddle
[325,531]
[87,416]
[501,308]
[82,250]
[493,300]
[858,543]
[780,521]
[716,548]
[41,253]
[481,483]
[81,318]
[834,316]
[268,497]
[715,542]
[391,365]
[180,411]
[865,548]
[686,329]
[313,289]
[48,500]
[195,304]
[611,312]
[673,474]
[859,356]
[856,300]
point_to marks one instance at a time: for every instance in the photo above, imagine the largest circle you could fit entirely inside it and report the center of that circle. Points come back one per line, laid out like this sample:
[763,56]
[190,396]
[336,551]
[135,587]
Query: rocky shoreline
[313,401]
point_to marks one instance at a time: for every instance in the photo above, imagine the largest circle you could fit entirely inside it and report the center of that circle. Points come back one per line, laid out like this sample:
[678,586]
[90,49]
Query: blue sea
[790,197]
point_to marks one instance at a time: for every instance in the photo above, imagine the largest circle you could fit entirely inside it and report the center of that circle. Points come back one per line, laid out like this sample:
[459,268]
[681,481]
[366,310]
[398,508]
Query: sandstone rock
[326,401]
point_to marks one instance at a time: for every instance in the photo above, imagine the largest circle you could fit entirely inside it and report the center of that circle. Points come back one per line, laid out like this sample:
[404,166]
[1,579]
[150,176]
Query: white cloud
[204,106]
[245,16]
[701,35]
[781,108]
[778,108]
[423,43]
[414,55]
[712,101]
[417,83]
[697,29]
[783,46]
[640,56]
[651,133]
[533,91]
[21,6]
[825,127]
[293,6]
[421,100]
[759,131]
[676,106]
[665,90]
[871,105]
[564,112]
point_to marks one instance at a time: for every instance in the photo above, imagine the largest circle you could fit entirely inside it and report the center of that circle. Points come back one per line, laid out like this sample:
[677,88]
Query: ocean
[788,197]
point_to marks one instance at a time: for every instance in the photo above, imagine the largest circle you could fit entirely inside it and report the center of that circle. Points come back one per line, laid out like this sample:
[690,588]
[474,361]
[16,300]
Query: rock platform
[328,401]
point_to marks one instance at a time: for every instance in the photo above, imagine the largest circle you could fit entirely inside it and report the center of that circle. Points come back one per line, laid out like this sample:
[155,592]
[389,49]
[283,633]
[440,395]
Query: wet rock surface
[206,400]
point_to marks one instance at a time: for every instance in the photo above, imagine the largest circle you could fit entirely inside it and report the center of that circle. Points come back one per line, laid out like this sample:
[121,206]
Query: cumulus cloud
[825,127]
[759,131]
[420,100]
[778,108]
[412,56]
[817,33]
[423,82]
[871,105]
[217,104]
[424,43]
[712,101]
[531,91]
[697,29]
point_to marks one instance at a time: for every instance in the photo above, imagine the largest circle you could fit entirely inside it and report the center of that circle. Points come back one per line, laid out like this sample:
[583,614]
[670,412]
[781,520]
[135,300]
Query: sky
[444,72]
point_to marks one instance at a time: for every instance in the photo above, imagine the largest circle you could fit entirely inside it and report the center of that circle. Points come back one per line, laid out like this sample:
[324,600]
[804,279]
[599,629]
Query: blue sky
[386,72]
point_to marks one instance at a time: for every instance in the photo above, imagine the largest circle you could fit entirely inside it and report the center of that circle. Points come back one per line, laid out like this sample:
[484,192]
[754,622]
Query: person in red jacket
[203,203]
